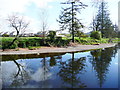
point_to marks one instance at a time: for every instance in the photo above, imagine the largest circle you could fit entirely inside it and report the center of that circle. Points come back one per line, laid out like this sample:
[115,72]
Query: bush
[95,35]
[58,41]
[5,35]
[52,35]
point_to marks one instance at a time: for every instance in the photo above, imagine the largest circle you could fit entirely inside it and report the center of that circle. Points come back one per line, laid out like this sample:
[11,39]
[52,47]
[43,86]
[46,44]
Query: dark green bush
[52,35]
[58,41]
[5,44]
[5,35]
[33,42]
[95,35]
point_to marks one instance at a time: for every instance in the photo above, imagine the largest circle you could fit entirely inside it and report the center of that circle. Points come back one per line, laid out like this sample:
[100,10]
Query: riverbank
[76,48]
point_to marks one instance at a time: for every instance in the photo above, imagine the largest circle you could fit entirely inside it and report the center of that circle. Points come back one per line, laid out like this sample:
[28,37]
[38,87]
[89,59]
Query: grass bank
[37,42]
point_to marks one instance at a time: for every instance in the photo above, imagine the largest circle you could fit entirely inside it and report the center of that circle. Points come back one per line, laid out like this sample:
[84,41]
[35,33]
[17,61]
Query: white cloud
[41,3]
[34,25]
[8,6]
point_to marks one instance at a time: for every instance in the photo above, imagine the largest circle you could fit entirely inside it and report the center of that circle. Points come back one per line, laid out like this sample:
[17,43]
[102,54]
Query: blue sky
[30,9]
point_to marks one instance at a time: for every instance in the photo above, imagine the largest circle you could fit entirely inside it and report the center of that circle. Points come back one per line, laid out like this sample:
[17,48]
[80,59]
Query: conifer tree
[102,21]
[68,18]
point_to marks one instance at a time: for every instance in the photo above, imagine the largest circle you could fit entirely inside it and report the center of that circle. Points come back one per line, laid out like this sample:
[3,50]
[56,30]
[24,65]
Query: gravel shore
[58,50]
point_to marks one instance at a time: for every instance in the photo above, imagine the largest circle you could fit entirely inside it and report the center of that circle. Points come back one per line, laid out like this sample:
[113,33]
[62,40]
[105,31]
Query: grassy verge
[36,42]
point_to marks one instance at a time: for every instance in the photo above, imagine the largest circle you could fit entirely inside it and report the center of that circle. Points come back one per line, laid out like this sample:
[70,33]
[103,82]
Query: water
[91,69]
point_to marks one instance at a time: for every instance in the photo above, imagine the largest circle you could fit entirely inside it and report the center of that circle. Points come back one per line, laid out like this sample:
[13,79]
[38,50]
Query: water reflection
[15,74]
[21,76]
[101,61]
[65,70]
[69,72]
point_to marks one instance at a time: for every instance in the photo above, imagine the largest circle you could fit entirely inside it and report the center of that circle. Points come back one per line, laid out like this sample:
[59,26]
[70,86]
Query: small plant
[17,49]
[31,48]
[0,46]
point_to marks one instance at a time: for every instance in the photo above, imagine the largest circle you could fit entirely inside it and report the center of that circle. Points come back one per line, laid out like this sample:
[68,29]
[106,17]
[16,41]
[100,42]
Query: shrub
[95,35]
[5,35]
[52,35]
[58,41]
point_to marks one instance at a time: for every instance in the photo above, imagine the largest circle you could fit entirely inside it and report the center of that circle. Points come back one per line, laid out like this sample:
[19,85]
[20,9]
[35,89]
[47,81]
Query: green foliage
[95,35]
[36,42]
[80,34]
[5,35]
[58,41]
[31,42]
[22,42]
[0,46]
[65,18]
[68,18]
[103,23]
[31,48]
[68,35]
[90,41]
[52,35]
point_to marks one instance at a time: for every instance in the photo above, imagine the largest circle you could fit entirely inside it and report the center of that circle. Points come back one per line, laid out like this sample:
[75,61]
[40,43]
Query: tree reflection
[55,60]
[21,76]
[45,68]
[101,62]
[52,61]
[119,45]
[70,70]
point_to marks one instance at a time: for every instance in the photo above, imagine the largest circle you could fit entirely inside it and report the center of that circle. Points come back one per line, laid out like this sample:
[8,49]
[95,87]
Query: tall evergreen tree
[102,21]
[68,18]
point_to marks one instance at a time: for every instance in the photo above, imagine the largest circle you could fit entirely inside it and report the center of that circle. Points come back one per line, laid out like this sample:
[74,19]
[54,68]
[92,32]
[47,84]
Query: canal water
[89,69]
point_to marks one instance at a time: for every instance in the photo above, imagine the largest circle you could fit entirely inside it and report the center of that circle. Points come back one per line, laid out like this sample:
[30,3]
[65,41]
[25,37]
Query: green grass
[116,40]
[89,40]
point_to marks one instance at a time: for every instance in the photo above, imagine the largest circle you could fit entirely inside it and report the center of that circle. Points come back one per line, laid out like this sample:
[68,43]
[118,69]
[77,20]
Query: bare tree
[43,21]
[19,25]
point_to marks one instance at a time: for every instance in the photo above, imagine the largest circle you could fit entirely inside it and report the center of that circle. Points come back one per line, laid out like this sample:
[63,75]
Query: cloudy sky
[30,9]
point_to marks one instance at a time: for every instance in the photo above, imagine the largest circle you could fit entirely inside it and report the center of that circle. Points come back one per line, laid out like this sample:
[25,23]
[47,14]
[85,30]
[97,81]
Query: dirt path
[57,50]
